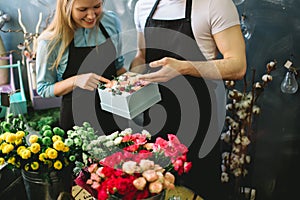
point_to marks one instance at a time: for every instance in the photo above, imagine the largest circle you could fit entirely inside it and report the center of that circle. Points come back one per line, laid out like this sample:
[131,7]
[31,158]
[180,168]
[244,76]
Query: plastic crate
[18,103]
[38,102]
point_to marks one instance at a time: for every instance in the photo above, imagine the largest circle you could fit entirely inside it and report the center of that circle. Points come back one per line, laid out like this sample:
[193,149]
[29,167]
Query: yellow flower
[3,136]
[20,134]
[43,157]
[57,165]
[25,153]
[26,167]
[34,165]
[2,161]
[49,163]
[56,137]
[20,148]
[18,141]
[7,148]
[51,153]
[35,148]
[18,164]
[11,160]
[58,145]
[33,139]
[66,148]
[10,138]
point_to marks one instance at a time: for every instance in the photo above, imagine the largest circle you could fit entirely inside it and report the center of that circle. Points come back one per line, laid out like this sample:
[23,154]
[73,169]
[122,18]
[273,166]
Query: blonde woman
[79,29]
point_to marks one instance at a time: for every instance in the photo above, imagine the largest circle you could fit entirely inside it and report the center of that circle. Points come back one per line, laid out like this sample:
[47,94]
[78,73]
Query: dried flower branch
[238,133]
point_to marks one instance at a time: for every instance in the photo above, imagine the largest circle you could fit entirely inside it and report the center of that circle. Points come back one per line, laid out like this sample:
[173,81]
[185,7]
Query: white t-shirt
[208,17]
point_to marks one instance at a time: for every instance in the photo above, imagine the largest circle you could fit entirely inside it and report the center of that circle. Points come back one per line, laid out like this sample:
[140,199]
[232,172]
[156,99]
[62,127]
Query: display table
[80,194]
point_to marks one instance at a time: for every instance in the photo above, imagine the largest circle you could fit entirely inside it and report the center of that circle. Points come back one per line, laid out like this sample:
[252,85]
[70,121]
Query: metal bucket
[46,186]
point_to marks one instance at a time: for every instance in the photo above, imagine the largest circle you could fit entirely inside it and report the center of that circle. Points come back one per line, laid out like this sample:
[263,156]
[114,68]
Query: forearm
[121,71]
[138,65]
[227,69]
[65,86]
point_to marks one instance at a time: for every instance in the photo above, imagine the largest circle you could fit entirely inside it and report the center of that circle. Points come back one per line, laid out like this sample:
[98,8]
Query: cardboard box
[129,105]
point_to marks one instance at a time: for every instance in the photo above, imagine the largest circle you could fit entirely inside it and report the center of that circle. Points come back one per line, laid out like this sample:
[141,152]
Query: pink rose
[187,166]
[156,187]
[150,175]
[140,183]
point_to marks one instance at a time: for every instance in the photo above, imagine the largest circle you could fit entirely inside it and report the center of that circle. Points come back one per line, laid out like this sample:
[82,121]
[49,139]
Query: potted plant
[45,159]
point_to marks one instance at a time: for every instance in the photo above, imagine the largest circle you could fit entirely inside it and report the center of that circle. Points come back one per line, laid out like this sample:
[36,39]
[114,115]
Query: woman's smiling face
[86,12]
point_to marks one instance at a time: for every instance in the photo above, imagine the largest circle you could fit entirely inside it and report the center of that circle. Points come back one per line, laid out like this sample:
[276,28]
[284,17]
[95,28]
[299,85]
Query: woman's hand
[89,81]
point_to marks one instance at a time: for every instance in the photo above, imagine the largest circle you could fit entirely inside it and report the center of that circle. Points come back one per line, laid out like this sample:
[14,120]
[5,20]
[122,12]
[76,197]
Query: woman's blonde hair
[61,30]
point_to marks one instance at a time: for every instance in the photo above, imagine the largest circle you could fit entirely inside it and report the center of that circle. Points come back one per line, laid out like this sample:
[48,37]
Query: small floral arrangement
[42,152]
[239,134]
[127,166]
[124,84]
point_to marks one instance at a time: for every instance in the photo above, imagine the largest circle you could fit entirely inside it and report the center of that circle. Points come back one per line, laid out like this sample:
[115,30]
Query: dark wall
[275,25]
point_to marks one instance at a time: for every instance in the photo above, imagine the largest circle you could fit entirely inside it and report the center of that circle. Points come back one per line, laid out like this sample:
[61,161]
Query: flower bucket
[46,186]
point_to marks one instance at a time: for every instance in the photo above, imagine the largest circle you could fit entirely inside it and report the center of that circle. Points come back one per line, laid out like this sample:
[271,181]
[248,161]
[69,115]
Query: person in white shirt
[199,40]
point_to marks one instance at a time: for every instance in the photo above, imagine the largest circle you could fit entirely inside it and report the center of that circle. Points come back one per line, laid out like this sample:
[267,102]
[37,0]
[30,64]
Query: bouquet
[124,84]
[43,152]
[126,165]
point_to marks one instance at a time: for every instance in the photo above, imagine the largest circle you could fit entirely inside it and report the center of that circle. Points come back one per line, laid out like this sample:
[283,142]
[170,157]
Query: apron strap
[188,9]
[103,30]
[154,9]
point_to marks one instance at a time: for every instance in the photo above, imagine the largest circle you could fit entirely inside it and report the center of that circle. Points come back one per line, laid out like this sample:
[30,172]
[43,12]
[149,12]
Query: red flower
[187,167]
[119,173]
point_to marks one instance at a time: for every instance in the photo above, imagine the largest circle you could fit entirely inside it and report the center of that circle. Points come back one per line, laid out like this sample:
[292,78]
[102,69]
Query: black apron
[168,38]
[81,105]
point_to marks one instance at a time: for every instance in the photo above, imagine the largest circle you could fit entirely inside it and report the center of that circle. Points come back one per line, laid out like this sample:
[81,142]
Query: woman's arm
[138,63]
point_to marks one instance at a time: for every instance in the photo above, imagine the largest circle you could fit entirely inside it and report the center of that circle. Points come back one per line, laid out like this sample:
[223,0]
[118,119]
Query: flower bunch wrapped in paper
[133,168]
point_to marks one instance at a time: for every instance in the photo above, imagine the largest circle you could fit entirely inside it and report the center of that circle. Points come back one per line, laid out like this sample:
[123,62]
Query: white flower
[112,136]
[127,131]
[248,159]
[118,140]
[102,138]
[223,168]
[234,125]
[236,149]
[267,78]
[146,133]
[225,155]
[242,114]
[109,143]
[129,167]
[224,177]
[258,85]
[272,63]
[255,109]
[229,106]
[226,136]
[237,172]
[146,164]
[246,103]
[245,141]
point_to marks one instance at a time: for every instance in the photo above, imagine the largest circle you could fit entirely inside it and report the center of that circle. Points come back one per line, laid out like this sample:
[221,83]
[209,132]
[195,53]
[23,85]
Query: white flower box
[129,105]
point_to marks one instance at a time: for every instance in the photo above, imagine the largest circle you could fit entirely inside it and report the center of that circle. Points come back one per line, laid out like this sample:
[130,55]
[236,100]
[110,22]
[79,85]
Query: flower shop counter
[80,194]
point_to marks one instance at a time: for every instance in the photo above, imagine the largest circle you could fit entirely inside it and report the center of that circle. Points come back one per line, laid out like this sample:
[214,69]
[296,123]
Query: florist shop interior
[252,152]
